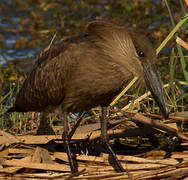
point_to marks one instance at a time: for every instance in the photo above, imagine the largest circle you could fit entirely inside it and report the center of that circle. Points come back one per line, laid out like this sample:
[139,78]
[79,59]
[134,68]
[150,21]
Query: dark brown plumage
[88,71]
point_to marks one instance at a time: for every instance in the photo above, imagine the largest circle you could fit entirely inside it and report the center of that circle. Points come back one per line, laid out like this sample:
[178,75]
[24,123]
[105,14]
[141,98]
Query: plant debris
[39,157]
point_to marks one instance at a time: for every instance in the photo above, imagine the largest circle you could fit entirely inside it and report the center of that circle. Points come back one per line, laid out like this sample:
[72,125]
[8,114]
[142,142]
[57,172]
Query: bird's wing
[45,85]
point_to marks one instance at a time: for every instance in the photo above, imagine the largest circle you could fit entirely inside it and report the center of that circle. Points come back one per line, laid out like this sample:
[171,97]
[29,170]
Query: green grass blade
[124,91]
[180,52]
[172,66]
[171,34]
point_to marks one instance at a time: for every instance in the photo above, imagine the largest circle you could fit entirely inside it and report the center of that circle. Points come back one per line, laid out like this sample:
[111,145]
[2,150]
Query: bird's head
[132,52]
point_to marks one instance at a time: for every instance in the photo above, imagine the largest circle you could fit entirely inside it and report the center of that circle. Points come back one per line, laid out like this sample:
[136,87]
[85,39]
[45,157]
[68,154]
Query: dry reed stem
[182,43]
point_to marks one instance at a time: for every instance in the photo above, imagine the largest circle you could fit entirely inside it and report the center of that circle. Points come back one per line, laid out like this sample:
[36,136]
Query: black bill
[154,84]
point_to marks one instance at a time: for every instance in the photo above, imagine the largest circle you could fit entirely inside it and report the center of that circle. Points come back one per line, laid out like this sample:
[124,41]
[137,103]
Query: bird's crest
[114,40]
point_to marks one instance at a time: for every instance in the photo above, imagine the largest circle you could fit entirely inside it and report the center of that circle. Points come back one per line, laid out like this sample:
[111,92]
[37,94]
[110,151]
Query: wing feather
[45,84]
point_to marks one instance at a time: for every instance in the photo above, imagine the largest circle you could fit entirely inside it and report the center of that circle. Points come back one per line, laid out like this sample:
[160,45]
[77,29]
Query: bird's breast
[92,86]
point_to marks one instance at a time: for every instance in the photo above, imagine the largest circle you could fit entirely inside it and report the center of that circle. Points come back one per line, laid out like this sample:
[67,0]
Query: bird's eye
[141,54]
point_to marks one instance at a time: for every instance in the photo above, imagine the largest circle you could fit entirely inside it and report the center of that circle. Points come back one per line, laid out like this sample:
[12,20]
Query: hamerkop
[89,70]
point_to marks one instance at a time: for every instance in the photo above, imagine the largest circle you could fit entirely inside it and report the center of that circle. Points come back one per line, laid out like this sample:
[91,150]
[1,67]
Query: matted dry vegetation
[40,157]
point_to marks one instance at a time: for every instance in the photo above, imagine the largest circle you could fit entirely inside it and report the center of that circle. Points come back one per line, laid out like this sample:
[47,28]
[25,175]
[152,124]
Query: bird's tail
[6,114]
[12,109]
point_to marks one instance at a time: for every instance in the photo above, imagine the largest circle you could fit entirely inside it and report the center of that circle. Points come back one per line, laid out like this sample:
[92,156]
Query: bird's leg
[103,120]
[79,119]
[67,144]
[45,127]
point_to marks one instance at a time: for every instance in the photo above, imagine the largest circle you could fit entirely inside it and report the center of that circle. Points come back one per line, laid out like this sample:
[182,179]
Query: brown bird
[89,70]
